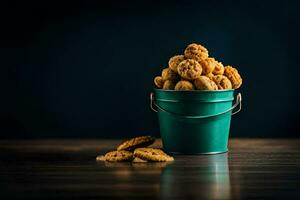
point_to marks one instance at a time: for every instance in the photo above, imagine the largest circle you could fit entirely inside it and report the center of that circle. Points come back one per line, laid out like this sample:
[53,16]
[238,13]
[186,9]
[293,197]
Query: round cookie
[204,83]
[189,69]
[219,68]
[141,141]
[233,75]
[168,74]
[174,62]
[210,76]
[158,82]
[222,82]
[169,85]
[208,65]
[118,156]
[184,85]
[152,154]
[196,52]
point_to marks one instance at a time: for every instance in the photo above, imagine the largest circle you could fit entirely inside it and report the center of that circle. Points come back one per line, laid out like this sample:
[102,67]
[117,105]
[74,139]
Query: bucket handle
[237,102]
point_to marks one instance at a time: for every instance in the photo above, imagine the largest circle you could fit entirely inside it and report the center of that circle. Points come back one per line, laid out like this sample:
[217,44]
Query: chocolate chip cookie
[204,83]
[169,85]
[219,68]
[174,62]
[117,156]
[184,85]
[131,144]
[158,82]
[222,82]
[168,74]
[151,154]
[189,69]
[196,52]
[233,75]
[208,65]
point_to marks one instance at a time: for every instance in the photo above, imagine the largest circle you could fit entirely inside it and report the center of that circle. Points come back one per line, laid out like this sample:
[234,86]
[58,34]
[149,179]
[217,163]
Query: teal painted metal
[194,122]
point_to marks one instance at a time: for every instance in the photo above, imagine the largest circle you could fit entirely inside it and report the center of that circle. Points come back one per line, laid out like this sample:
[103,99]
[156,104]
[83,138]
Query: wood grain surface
[66,169]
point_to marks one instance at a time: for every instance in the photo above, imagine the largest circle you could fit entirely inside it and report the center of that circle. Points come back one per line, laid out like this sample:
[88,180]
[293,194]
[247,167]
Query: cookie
[204,83]
[184,85]
[141,141]
[169,85]
[222,82]
[233,75]
[152,154]
[158,82]
[174,62]
[196,52]
[208,65]
[210,76]
[118,156]
[168,74]
[189,69]
[219,68]
[100,158]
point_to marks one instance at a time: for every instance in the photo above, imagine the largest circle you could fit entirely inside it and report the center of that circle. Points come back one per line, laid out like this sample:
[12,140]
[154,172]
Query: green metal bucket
[194,122]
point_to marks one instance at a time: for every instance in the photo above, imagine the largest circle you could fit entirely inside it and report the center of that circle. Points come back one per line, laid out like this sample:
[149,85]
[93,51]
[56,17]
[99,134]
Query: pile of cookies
[195,70]
[136,150]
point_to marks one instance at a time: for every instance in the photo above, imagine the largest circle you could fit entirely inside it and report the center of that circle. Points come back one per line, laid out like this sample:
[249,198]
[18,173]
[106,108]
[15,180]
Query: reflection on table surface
[206,177]
[210,180]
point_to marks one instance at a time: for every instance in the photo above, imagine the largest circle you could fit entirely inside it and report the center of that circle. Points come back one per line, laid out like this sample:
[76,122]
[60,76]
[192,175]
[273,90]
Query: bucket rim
[194,91]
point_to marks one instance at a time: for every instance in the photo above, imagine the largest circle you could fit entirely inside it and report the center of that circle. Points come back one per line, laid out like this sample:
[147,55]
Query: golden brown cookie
[141,141]
[138,160]
[100,158]
[204,83]
[184,85]
[152,154]
[234,76]
[174,62]
[189,69]
[222,82]
[118,156]
[169,85]
[196,52]
[210,76]
[219,68]
[208,65]
[168,74]
[158,82]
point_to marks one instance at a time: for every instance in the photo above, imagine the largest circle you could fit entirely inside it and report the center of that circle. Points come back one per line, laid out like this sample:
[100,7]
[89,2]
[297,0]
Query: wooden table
[66,169]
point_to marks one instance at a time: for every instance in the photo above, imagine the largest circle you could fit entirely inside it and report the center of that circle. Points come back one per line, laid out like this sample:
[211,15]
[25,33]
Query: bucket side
[195,136]
[182,134]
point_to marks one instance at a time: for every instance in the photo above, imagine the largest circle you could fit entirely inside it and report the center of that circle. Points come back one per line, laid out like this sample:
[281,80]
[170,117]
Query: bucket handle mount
[238,102]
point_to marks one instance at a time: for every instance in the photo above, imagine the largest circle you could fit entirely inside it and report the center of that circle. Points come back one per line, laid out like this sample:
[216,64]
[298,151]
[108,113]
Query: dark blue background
[80,69]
